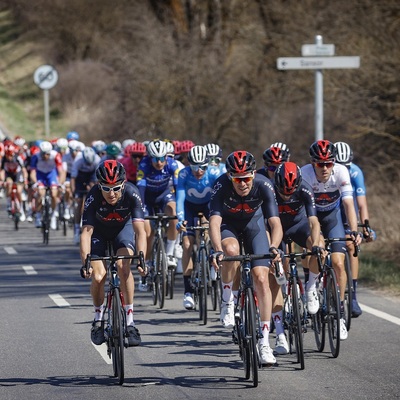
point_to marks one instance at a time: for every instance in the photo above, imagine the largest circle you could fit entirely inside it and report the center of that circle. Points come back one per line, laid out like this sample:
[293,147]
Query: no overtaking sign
[45,77]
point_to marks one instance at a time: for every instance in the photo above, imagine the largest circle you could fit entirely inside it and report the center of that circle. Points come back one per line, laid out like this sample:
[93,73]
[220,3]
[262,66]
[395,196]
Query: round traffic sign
[45,77]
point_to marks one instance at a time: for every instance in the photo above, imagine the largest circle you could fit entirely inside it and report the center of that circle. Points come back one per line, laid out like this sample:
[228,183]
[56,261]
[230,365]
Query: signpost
[317,57]
[46,78]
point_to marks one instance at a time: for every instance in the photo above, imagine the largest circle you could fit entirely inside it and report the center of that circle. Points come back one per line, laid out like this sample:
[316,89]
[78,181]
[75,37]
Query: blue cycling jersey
[357,180]
[217,170]
[193,190]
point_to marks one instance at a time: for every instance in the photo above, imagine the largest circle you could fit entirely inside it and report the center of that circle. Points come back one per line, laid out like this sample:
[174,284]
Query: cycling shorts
[153,202]
[191,214]
[299,233]
[47,179]
[332,227]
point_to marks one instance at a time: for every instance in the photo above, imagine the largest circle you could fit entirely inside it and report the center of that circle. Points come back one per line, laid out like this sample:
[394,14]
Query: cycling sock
[227,295]
[277,318]
[354,289]
[186,283]
[129,315]
[235,296]
[312,280]
[306,274]
[265,327]
[170,247]
[98,312]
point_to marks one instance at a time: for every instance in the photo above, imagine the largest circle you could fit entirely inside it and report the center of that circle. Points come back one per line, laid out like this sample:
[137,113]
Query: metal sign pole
[319,98]
[46,112]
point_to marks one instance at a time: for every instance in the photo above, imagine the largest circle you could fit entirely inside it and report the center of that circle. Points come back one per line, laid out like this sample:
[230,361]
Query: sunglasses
[196,168]
[108,189]
[245,179]
[215,159]
[136,156]
[157,159]
[325,164]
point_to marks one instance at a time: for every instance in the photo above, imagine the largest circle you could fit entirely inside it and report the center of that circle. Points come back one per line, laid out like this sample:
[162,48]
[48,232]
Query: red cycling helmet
[240,162]
[185,146]
[110,172]
[10,149]
[288,178]
[323,150]
[136,148]
[276,155]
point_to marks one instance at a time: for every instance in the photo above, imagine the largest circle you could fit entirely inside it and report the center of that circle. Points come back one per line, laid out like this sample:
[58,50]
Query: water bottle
[213,273]
[280,274]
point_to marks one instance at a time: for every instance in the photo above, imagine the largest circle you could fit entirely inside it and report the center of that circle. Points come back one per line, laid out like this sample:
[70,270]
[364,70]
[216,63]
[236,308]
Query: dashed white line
[380,314]
[102,349]
[29,270]
[10,250]
[59,300]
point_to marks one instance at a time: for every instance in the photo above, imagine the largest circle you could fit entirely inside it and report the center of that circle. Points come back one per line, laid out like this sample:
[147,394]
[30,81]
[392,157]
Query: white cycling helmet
[62,143]
[198,155]
[89,155]
[99,146]
[170,148]
[118,144]
[344,154]
[74,145]
[127,142]
[45,147]
[213,150]
[280,145]
[157,148]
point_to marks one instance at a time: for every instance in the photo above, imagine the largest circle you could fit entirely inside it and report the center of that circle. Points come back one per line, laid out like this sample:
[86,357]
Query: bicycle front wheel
[46,224]
[117,333]
[202,265]
[296,323]
[333,307]
[251,328]
[161,266]
[348,295]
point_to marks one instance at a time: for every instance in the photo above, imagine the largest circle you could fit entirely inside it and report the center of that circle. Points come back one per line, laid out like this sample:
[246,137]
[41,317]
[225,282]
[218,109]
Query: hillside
[206,69]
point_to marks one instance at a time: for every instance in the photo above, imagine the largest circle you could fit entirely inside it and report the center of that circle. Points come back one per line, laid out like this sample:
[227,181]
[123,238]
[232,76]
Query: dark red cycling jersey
[226,203]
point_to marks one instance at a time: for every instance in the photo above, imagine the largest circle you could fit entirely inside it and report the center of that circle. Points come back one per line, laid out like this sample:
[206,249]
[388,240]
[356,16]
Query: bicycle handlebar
[114,258]
[160,217]
[347,239]
[249,257]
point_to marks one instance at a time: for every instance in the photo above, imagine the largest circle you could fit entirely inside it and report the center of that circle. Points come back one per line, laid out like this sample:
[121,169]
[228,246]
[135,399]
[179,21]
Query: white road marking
[102,349]
[380,314]
[10,250]
[59,300]
[29,270]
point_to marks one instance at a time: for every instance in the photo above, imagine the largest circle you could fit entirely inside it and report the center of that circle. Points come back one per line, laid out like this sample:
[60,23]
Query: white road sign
[308,50]
[284,63]
[45,77]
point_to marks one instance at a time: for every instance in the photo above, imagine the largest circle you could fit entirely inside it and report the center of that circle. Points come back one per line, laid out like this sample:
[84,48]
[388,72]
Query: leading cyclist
[113,211]
[239,203]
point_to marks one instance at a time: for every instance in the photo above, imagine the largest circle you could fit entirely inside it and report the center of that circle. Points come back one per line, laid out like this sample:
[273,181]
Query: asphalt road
[46,352]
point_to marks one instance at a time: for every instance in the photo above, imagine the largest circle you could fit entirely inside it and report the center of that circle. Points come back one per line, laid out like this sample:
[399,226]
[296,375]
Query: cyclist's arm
[276,231]
[85,240]
[215,232]
[315,230]
[362,208]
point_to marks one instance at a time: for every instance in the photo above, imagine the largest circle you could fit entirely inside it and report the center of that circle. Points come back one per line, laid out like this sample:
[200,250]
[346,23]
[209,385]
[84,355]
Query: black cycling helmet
[323,150]
[288,178]
[275,154]
[110,172]
[240,162]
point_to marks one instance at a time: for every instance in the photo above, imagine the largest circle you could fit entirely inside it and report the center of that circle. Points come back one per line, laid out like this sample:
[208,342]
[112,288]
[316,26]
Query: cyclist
[183,152]
[83,177]
[13,170]
[240,201]
[345,157]
[112,211]
[296,203]
[192,197]
[153,181]
[46,167]
[134,153]
[331,184]
[113,152]
[214,154]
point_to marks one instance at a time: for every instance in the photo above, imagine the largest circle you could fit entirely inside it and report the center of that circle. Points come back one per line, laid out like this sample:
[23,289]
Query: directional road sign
[284,63]
[308,50]
[45,77]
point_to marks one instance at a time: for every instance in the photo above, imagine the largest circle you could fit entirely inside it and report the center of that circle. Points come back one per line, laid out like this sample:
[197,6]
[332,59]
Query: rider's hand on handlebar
[277,254]
[369,235]
[357,237]
[181,226]
[215,259]
[84,274]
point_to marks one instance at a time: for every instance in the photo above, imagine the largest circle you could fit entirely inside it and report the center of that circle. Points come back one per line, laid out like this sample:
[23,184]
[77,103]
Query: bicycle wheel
[296,323]
[203,286]
[161,267]
[333,316]
[117,330]
[46,223]
[348,294]
[244,348]
[251,329]
[215,291]
[171,282]
[318,321]
[153,274]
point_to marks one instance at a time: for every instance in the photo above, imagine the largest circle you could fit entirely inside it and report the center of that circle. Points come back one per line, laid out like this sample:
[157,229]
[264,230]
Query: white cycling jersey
[328,195]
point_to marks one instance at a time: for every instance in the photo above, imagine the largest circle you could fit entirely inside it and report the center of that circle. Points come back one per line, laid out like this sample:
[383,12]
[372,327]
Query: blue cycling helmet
[72,135]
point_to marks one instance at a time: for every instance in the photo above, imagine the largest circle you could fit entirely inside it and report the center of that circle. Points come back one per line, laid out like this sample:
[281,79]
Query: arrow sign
[284,63]
[45,77]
